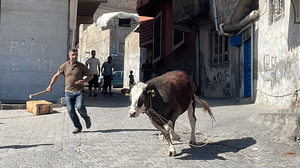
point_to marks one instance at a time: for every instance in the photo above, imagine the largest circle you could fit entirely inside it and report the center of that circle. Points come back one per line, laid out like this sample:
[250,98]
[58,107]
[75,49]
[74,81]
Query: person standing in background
[131,80]
[107,70]
[94,66]
[147,69]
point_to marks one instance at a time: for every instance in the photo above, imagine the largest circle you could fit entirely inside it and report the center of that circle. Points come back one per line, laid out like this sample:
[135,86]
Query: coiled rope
[164,121]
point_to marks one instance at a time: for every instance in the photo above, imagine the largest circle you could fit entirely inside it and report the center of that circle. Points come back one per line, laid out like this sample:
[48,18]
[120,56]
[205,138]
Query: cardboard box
[38,107]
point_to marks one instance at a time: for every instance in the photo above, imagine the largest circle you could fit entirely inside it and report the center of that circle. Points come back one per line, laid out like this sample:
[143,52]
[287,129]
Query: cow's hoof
[171,151]
[192,143]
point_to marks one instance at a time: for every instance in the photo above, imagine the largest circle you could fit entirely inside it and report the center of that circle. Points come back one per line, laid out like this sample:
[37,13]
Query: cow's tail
[205,106]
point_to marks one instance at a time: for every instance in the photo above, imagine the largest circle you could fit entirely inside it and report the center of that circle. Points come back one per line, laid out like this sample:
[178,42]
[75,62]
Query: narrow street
[115,140]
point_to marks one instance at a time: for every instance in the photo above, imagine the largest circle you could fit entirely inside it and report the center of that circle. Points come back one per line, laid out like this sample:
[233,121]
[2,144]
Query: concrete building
[167,48]
[34,40]
[134,57]
[277,54]
[107,37]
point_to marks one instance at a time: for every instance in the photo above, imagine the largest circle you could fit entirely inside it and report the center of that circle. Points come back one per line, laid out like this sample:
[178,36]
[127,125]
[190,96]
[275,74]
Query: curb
[5,106]
[285,121]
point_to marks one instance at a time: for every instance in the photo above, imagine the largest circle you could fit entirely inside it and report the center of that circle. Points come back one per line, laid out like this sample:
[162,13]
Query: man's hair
[73,50]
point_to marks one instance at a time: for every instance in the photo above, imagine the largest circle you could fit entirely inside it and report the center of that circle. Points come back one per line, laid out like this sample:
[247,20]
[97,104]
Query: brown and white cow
[163,99]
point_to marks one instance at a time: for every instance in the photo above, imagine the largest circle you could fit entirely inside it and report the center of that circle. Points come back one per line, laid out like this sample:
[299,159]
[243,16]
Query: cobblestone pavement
[115,140]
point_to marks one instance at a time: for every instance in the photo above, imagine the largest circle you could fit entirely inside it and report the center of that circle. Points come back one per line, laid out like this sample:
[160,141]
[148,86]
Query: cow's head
[138,95]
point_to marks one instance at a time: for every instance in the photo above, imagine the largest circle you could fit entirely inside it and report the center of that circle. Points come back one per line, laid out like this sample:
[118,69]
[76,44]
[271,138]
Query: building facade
[244,50]
[167,48]
[34,40]
[278,53]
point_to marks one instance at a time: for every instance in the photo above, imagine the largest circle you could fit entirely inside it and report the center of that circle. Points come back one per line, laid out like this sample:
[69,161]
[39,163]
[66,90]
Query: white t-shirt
[93,65]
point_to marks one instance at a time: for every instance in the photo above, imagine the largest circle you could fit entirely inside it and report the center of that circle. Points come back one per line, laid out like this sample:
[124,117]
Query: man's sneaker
[111,93]
[88,123]
[76,130]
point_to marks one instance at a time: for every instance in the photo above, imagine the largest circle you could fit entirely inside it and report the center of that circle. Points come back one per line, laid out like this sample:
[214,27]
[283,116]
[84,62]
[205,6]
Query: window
[157,38]
[117,74]
[178,38]
[276,10]
[122,47]
[218,48]
[124,22]
[296,9]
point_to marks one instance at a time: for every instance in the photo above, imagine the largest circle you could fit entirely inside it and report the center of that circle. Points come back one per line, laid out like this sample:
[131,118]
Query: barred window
[276,10]
[124,22]
[218,48]
[178,38]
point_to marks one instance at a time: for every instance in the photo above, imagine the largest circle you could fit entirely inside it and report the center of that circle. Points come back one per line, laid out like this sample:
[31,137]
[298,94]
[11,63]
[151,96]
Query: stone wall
[93,38]
[105,41]
[133,58]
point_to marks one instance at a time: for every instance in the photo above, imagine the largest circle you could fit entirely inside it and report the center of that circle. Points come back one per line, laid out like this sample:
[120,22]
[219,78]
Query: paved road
[115,140]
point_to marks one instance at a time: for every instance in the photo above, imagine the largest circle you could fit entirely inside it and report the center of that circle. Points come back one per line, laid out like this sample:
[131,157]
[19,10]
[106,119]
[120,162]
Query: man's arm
[99,70]
[102,69]
[53,80]
[89,76]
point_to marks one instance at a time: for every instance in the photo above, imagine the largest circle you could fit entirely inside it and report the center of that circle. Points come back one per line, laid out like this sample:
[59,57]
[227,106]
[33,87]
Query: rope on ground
[162,119]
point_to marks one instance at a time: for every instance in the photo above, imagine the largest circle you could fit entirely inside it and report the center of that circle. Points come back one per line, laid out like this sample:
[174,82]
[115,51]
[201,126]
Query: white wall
[278,59]
[34,43]
[216,78]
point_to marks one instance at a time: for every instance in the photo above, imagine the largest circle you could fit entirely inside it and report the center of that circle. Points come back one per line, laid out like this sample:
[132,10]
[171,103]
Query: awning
[106,17]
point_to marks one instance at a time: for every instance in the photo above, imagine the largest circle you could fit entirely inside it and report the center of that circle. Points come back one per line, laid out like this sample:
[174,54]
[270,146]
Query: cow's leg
[166,134]
[170,128]
[192,118]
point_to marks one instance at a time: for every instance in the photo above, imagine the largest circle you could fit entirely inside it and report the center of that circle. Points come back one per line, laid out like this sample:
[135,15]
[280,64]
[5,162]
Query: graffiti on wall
[29,57]
[273,66]
[220,82]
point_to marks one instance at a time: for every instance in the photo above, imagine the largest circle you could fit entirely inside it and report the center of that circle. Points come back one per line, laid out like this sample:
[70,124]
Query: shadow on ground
[108,101]
[120,130]
[211,151]
[23,146]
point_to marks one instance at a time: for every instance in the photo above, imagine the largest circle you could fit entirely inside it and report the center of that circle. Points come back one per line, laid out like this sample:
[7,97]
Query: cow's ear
[125,91]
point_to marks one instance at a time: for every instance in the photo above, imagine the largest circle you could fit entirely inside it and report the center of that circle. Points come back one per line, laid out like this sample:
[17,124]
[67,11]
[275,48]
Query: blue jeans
[76,100]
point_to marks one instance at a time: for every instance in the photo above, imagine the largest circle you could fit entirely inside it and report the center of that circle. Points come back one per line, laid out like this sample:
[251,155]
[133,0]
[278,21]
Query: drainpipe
[215,14]
[252,62]
[220,31]
[197,43]
[74,25]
